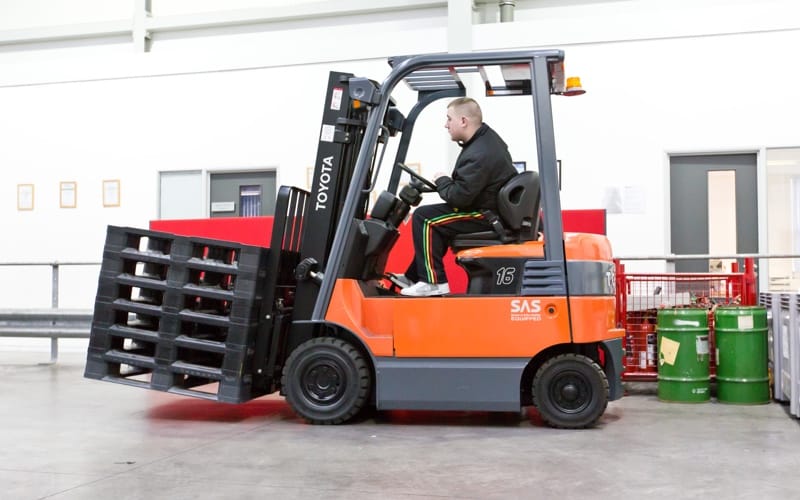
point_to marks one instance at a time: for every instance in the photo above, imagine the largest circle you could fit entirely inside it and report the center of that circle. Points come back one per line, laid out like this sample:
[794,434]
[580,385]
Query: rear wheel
[326,380]
[570,391]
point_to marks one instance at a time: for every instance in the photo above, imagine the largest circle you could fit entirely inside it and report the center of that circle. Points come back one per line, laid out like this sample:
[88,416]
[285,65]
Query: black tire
[326,380]
[570,391]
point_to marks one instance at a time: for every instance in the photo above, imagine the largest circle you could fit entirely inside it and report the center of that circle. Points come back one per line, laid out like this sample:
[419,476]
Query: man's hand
[437,175]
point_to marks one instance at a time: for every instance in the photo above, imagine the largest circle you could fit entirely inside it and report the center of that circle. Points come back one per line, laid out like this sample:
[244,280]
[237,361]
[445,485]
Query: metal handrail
[54,280]
[672,257]
[748,274]
[749,263]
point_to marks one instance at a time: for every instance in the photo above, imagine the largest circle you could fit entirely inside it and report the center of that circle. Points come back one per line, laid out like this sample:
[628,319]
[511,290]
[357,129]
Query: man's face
[455,124]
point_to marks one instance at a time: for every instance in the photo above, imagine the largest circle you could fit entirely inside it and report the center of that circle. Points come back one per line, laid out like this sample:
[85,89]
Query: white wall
[662,77]
[16,15]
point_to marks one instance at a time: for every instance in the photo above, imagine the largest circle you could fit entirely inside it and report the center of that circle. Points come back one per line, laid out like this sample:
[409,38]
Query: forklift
[317,318]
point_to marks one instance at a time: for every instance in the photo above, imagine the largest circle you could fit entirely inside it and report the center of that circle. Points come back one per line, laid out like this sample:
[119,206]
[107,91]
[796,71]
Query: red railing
[641,295]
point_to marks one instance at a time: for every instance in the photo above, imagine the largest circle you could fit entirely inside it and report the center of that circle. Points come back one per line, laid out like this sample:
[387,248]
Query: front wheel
[570,391]
[326,380]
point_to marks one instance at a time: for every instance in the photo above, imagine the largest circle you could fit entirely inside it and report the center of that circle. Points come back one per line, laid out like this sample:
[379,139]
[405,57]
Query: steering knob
[308,268]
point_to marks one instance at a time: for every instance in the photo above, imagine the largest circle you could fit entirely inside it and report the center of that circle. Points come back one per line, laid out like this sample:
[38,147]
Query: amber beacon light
[574,86]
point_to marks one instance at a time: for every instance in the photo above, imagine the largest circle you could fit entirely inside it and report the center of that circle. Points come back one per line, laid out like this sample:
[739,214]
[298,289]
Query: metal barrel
[742,373]
[683,375]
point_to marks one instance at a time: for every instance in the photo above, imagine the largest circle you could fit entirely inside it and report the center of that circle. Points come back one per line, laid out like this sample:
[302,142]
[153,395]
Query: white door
[181,195]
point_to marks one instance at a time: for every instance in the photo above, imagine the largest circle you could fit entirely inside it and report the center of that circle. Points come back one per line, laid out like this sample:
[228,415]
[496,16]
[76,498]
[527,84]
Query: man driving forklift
[482,167]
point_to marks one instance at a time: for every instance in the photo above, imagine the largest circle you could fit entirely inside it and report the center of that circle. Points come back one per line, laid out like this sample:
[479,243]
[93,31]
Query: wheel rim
[571,392]
[323,382]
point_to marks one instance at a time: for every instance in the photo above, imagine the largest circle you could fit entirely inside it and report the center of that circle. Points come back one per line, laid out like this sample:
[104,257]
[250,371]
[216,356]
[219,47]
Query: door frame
[205,177]
[208,172]
[761,202]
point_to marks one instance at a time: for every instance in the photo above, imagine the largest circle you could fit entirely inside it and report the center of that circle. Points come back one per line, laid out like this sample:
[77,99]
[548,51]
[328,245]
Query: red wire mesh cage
[640,296]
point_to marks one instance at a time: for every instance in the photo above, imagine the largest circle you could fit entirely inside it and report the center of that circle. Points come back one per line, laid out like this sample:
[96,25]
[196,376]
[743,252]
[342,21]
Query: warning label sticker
[745,322]
[701,344]
[336,98]
[668,352]
[327,133]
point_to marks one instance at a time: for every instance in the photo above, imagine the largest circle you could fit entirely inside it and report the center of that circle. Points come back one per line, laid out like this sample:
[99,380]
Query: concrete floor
[65,437]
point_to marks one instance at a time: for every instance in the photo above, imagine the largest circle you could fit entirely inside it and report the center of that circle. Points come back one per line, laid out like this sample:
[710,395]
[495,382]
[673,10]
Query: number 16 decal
[505,275]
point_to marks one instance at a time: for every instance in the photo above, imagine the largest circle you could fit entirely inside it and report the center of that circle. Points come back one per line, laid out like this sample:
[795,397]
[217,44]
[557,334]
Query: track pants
[433,227]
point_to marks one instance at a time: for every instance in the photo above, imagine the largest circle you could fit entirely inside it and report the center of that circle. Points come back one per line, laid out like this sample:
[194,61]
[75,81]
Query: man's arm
[461,193]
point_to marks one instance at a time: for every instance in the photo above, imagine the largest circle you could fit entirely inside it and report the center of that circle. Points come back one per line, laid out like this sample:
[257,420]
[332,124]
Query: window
[783,219]
[250,200]
[795,211]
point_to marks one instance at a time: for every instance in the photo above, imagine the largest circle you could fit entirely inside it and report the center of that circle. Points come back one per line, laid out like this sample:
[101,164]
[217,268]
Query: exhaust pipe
[507,11]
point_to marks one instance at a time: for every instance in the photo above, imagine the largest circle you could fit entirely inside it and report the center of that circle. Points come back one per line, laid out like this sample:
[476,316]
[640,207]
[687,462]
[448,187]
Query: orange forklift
[316,316]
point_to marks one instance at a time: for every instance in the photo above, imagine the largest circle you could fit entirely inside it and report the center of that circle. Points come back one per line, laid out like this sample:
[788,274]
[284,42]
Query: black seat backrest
[518,205]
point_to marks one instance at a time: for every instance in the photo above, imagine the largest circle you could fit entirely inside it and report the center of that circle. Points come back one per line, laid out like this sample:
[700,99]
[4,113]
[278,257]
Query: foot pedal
[398,280]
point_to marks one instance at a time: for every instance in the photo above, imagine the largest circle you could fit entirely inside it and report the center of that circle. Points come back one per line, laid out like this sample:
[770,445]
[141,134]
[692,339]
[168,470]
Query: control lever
[308,268]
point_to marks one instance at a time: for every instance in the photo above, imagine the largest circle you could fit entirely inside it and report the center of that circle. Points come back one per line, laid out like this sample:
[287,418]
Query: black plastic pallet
[214,310]
[138,252]
[176,314]
[105,364]
[184,371]
[201,326]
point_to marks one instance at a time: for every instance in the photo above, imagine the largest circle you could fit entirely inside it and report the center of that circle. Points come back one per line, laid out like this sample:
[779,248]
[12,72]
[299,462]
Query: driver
[482,167]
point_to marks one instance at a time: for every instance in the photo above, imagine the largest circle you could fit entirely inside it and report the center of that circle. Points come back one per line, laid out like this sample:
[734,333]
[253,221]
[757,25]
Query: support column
[141,13]
[459,39]
[459,25]
[54,305]
[507,11]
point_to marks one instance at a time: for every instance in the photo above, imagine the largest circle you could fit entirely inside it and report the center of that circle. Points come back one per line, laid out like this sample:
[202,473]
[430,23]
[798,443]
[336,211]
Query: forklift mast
[341,135]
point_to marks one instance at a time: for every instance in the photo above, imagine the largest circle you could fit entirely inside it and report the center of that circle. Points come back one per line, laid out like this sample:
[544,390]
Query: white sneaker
[423,289]
[399,280]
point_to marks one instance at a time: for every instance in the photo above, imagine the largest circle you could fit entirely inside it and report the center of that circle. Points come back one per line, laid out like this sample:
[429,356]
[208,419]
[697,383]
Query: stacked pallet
[177,314]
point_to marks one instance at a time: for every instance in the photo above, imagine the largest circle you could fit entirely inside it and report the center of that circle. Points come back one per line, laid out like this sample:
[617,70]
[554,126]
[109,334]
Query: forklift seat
[517,217]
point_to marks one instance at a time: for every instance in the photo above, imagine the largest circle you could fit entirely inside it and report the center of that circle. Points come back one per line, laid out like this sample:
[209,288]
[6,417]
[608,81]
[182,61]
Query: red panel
[248,230]
[258,231]
[584,221]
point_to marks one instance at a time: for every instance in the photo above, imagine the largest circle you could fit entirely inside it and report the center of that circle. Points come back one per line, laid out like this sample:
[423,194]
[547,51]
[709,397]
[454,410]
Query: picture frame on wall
[68,194]
[416,167]
[309,177]
[111,194]
[24,197]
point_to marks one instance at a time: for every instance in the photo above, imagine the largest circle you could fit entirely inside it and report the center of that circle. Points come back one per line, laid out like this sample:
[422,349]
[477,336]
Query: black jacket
[482,168]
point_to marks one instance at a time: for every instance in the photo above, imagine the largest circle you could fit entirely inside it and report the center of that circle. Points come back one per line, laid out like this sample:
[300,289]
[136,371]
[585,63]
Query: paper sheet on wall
[633,200]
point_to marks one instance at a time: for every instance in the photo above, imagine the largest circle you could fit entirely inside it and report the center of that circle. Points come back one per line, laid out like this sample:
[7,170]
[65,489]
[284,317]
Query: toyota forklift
[316,316]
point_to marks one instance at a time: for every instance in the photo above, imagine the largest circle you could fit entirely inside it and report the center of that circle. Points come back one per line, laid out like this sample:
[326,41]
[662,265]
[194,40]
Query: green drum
[742,374]
[683,355]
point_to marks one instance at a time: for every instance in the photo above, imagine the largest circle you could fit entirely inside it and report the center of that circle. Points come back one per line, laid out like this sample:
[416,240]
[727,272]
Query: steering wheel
[428,184]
